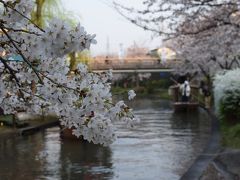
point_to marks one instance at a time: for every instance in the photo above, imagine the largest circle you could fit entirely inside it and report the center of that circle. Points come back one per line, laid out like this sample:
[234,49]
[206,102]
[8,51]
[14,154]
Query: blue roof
[15,58]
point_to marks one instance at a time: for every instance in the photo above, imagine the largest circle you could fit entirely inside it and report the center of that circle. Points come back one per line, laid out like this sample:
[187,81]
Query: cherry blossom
[224,82]
[41,83]
[131,94]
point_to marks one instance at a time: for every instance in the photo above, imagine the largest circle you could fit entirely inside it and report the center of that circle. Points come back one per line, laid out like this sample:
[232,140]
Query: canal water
[161,147]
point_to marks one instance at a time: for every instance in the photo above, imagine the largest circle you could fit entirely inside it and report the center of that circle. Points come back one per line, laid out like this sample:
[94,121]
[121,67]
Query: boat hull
[185,106]
[66,133]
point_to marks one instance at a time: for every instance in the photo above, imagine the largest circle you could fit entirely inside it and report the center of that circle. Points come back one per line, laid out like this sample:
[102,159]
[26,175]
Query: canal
[162,147]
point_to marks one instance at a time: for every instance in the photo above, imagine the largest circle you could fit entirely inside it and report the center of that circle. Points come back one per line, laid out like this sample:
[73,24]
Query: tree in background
[209,51]
[204,33]
[44,11]
[173,15]
[79,57]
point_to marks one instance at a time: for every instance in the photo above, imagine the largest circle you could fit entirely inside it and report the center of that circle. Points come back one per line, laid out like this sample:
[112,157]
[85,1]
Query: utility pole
[107,46]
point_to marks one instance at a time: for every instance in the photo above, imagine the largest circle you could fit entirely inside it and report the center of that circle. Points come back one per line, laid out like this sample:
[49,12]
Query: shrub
[230,106]
[227,95]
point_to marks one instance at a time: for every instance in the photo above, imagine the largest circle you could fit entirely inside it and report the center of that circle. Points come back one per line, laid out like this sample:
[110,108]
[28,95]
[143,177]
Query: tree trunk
[72,56]
[39,12]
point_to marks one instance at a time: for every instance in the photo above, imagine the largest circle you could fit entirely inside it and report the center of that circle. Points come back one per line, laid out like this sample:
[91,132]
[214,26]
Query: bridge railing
[130,63]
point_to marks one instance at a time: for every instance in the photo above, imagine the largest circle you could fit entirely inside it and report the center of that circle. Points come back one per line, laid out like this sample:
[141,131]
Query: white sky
[106,23]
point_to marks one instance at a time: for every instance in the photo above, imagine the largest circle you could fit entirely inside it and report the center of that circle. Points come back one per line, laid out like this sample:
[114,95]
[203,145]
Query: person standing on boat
[185,91]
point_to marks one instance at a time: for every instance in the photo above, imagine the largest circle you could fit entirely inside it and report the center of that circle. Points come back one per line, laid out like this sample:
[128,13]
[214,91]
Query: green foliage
[154,85]
[45,10]
[83,57]
[230,106]
[119,90]
[226,84]
[227,101]
[163,94]
[79,57]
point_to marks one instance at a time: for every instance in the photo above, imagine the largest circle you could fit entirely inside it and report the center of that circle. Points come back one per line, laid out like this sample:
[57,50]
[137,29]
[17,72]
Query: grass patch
[119,90]
[142,91]
[163,93]
[231,135]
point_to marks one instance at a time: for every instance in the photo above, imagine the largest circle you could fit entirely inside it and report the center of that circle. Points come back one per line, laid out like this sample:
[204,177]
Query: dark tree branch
[12,72]
[9,6]
[172,13]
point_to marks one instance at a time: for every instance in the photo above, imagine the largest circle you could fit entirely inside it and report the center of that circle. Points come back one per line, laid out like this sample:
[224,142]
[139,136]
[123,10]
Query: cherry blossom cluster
[144,76]
[41,82]
[203,33]
[205,53]
[170,18]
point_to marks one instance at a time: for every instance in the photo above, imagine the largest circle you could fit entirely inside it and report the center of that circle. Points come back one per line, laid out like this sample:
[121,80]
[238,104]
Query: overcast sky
[100,19]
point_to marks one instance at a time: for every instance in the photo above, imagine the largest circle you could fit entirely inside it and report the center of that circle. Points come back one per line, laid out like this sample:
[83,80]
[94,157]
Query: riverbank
[226,163]
[216,161]
[33,125]
[231,136]
[160,93]
[225,166]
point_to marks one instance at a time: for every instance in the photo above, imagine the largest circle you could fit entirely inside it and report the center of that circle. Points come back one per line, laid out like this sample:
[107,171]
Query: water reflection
[82,160]
[191,131]
[18,157]
[45,156]
[162,146]
[191,120]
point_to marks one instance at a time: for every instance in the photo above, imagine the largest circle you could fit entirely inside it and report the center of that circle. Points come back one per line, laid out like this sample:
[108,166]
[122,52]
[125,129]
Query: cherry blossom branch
[80,92]
[85,98]
[9,6]
[12,72]
[21,30]
[157,31]
[20,52]
[156,13]
[33,94]
[58,84]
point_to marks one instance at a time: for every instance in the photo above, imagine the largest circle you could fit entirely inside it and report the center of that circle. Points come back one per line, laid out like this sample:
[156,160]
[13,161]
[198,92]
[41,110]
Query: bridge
[130,65]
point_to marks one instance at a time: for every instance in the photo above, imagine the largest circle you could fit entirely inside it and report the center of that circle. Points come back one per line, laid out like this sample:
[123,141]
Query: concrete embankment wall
[209,153]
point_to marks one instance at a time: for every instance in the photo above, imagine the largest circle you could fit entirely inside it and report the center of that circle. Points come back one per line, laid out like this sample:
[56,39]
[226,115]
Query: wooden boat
[178,106]
[66,133]
[185,106]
